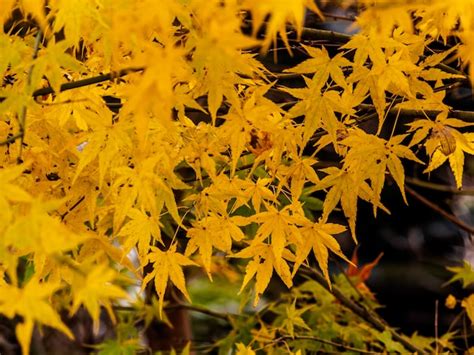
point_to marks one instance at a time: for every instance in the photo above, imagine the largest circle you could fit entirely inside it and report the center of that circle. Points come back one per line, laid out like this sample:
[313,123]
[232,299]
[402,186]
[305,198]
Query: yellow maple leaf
[38,231]
[93,289]
[261,266]
[323,66]
[140,230]
[318,106]
[244,350]
[280,13]
[298,172]
[214,231]
[276,226]
[319,238]
[444,142]
[32,304]
[468,305]
[344,187]
[167,265]
[10,192]
[370,156]
[218,55]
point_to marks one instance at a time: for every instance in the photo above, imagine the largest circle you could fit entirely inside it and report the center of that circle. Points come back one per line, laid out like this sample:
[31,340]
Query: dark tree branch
[439,210]
[438,187]
[463,115]
[86,82]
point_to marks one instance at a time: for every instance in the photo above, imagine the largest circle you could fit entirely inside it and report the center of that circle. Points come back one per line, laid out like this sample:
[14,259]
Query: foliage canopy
[142,141]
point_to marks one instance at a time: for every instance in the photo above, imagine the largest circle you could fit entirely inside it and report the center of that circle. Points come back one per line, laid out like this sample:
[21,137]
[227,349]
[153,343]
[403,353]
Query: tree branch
[464,115]
[86,82]
[203,310]
[442,212]
[438,187]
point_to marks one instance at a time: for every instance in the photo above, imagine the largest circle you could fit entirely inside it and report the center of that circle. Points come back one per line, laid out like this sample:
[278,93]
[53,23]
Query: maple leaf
[37,231]
[378,155]
[468,305]
[257,192]
[318,237]
[10,192]
[299,172]
[261,266]
[51,62]
[94,289]
[366,47]
[144,186]
[346,188]
[444,142]
[164,68]
[32,304]
[291,318]
[140,230]
[105,143]
[463,273]
[12,50]
[167,265]
[87,108]
[75,18]
[317,106]
[242,349]
[281,12]
[217,46]
[323,66]
[214,231]
[276,226]
[256,113]
[362,274]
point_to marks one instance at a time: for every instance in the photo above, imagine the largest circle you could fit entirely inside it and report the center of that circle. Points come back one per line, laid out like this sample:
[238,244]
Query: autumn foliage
[145,141]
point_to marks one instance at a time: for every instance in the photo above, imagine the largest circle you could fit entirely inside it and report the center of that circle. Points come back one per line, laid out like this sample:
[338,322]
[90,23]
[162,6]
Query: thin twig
[464,332]
[339,17]
[455,320]
[439,210]
[438,187]
[194,308]
[331,36]
[11,139]
[438,89]
[203,310]
[72,207]
[464,115]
